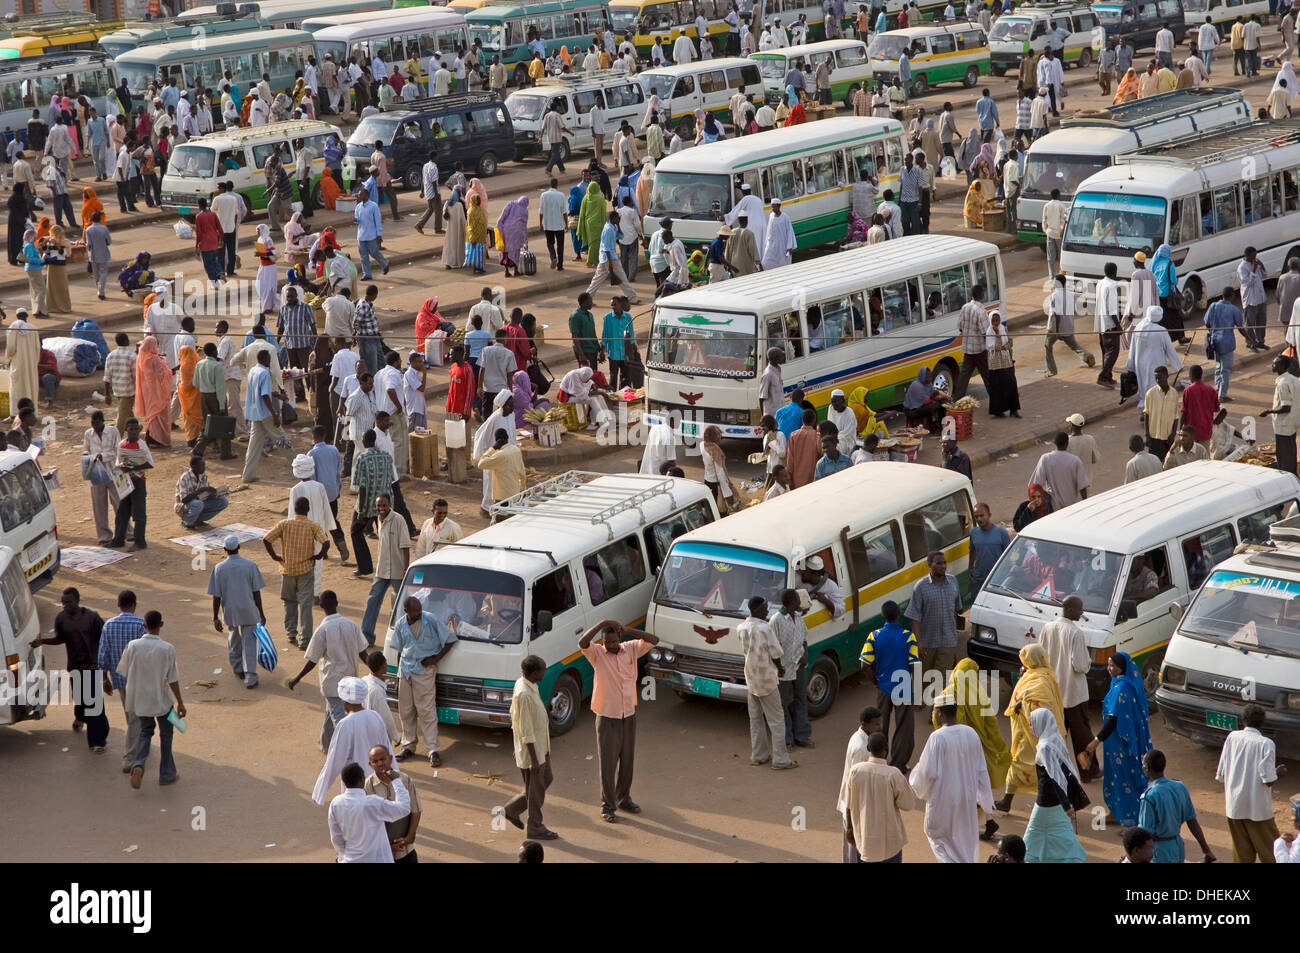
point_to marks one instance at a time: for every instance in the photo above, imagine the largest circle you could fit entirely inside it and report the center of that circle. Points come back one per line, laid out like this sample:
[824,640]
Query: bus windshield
[719,579]
[336,49]
[1115,224]
[1046,572]
[374,129]
[1044,172]
[690,195]
[888,46]
[1108,16]
[771,67]
[1008,29]
[22,495]
[525,107]
[193,161]
[480,605]
[492,36]
[713,345]
[138,76]
[1233,603]
[623,19]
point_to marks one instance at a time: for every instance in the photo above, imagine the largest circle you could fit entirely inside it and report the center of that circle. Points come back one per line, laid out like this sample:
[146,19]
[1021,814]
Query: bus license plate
[707,686]
[1220,720]
[690,429]
[184,210]
[449,716]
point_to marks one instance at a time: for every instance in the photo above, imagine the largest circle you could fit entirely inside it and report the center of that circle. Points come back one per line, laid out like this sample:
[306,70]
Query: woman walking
[153,393]
[55,254]
[189,397]
[1004,393]
[1126,732]
[591,221]
[267,279]
[453,217]
[512,225]
[1050,837]
[1036,688]
[476,235]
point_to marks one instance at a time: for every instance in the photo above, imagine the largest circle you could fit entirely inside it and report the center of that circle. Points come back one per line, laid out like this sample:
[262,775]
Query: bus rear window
[22,495]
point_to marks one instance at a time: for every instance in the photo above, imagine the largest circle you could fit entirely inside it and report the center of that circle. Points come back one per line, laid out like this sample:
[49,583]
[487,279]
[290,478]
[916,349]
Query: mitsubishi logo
[1030,633]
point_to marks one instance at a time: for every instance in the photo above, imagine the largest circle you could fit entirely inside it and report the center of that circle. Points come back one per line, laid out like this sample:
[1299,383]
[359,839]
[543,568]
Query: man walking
[1248,770]
[986,116]
[149,666]
[1222,319]
[420,640]
[613,702]
[1165,806]
[78,630]
[609,268]
[298,537]
[210,379]
[335,646]
[935,608]
[952,778]
[891,652]
[1053,221]
[370,234]
[263,419]
[117,633]
[763,668]
[1062,473]
[98,240]
[553,218]
[973,325]
[1067,648]
[394,556]
[432,192]
[911,180]
[530,725]
[1060,325]
[235,588]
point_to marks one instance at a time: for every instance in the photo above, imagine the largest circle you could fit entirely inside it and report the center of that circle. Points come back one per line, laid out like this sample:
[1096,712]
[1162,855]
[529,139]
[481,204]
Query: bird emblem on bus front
[711,636]
[690,398]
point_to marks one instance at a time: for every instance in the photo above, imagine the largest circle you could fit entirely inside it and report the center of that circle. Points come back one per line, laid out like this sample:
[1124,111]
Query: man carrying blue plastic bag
[235,590]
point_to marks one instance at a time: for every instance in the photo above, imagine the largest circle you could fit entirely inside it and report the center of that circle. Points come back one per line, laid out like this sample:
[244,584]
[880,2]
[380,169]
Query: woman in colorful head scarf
[188,394]
[1050,837]
[975,709]
[153,393]
[1126,732]
[426,322]
[1128,88]
[90,204]
[476,235]
[591,221]
[136,275]
[866,417]
[512,224]
[1036,688]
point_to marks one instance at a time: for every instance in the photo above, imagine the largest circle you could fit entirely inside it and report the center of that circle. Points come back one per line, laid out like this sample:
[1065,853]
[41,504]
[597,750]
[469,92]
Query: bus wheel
[945,376]
[566,703]
[972,77]
[1151,676]
[823,685]
[1085,59]
[487,164]
[520,77]
[998,70]
[921,86]
[1191,296]
[848,97]
[317,196]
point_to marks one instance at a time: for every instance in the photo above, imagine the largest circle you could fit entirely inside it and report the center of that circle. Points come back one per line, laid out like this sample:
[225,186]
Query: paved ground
[248,761]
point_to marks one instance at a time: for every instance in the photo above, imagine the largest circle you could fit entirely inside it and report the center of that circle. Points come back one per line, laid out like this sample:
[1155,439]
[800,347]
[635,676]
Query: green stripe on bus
[854,140]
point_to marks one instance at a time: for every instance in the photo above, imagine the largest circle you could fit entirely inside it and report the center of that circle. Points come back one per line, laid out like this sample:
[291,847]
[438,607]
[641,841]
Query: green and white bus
[392,35]
[504,29]
[946,53]
[810,168]
[280,53]
[850,67]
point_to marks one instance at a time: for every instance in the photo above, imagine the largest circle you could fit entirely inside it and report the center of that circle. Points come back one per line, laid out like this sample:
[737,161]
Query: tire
[565,151]
[921,85]
[1191,297]
[519,78]
[848,97]
[944,376]
[317,196]
[972,77]
[566,704]
[823,685]
[1151,676]
[998,70]
[1085,59]
[487,164]
[411,178]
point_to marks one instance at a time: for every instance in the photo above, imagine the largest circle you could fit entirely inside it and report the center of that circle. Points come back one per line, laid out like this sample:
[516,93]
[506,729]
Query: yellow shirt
[507,468]
[1238,36]
[536,69]
[298,538]
[1161,408]
[529,723]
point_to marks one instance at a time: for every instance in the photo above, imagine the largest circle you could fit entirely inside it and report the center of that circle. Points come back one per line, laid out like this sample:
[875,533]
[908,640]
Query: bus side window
[793,333]
[1290,194]
[937,525]
[897,305]
[776,336]
[614,569]
[876,312]
[1207,213]
[932,289]
[876,554]
[894,148]
[956,288]
[1183,226]
[1275,192]
[659,537]
[821,172]
[1254,528]
[554,594]
[986,274]
[1261,198]
[1227,213]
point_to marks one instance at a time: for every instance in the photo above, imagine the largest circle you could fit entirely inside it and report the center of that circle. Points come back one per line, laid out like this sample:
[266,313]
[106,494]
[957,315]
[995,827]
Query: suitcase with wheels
[527,263]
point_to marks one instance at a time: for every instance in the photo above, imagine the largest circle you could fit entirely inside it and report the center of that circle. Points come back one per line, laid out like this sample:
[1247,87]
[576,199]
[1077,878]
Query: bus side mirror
[544,622]
[1128,609]
[1176,610]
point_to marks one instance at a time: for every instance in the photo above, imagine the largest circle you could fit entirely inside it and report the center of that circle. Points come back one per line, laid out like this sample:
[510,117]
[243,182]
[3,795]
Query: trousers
[1109,342]
[902,741]
[417,707]
[131,510]
[794,700]
[1223,372]
[532,797]
[99,506]
[211,404]
[1049,345]
[132,729]
[615,754]
[610,271]
[434,210]
[767,729]
[241,648]
[969,365]
[167,767]
[296,592]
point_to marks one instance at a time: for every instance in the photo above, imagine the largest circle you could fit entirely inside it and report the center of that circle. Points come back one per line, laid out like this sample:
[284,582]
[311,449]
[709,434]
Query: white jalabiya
[751,206]
[779,242]
[953,779]
[660,448]
[354,736]
[846,422]
[1151,348]
[266,274]
[357,824]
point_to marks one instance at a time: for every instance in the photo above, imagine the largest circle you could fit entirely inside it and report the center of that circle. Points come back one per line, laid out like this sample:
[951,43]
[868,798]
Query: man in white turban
[502,418]
[313,491]
[845,420]
[779,241]
[354,736]
[578,389]
[1151,348]
[751,208]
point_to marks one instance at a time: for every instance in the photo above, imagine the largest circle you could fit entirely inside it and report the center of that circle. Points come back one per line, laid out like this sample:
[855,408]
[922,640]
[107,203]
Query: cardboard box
[550,433]
[425,461]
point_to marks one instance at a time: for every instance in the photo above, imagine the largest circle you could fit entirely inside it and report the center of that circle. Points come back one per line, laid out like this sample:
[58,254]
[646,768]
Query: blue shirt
[1165,807]
[98,130]
[329,468]
[476,340]
[259,386]
[609,243]
[986,546]
[891,650]
[789,419]
[986,111]
[170,96]
[612,332]
[826,466]
[369,225]
[117,632]
[1221,318]
[718,251]
[434,635]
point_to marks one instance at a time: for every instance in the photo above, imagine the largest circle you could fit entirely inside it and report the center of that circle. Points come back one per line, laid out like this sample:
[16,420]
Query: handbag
[217,427]
[288,413]
[541,376]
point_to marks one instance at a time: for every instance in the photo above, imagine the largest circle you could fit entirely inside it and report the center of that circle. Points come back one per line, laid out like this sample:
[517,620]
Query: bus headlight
[1176,677]
[1291,700]
[669,656]
[986,634]
[655,655]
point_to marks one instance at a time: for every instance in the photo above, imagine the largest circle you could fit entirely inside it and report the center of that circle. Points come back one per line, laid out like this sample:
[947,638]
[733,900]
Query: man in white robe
[354,736]
[953,779]
[1149,349]
[308,488]
[779,241]
[1141,295]
[23,353]
[684,50]
[751,207]
[660,448]
[844,419]
[502,418]
[163,321]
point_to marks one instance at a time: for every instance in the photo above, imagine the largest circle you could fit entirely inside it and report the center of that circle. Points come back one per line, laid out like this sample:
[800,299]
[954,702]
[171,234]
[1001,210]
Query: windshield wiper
[996,587]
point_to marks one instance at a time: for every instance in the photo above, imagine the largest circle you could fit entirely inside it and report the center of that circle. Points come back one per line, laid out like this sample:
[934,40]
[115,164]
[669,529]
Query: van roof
[1158,108]
[728,155]
[579,512]
[596,79]
[214,44]
[681,69]
[437,105]
[819,47]
[289,129]
[12,458]
[1136,516]
[771,289]
[802,517]
[933,28]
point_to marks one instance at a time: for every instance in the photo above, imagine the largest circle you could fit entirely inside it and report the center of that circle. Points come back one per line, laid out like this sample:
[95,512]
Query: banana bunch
[537,416]
[457,336]
[315,301]
[966,403]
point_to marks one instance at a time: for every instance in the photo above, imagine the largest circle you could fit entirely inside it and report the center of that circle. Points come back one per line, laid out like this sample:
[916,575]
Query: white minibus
[941,53]
[1130,554]
[392,35]
[1238,643]
[858,318]
[618,94]
[22,680]
[1208,198]
[706,85]
[1027,32]
[810,168]
[850,67]
[873,544]
[582,547]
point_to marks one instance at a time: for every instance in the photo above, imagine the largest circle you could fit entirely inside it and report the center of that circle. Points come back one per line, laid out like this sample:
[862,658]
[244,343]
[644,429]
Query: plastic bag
[100,475]
[266,654]
[947,168]
[183,230]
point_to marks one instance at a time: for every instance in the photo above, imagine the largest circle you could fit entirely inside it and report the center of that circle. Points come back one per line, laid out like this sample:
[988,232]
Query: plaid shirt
[973,325]
[934,607]
[190,482]
[298,538]
[364,323]
[117,632]
[296,326]
[119,371]
[372,474]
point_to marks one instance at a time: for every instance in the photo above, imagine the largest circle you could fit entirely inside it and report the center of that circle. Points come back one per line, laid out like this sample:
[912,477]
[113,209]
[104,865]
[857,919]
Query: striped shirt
[364,323]
[296,326]
[372,474]
[113,639]
[119,371]
[934,607]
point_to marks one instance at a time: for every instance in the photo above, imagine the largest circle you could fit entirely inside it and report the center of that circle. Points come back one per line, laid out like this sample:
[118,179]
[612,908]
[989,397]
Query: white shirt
[357,828]
[1054,219]
[493,319]
[1246,767]
[1165,41]
[1107,317]
[388,378]
[226,352]
[683,50]
[414,396]
[335,646]
[103,445]
[1207,37]
[857,753]
[343,366]
[360,408]
[597,120]
[354,736]
[377,701]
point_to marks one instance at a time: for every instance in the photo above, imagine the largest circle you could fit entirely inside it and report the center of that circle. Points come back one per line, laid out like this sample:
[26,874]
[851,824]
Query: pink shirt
[613,692]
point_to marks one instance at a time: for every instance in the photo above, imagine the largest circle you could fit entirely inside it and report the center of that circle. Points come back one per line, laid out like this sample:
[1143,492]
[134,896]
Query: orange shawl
[191,403]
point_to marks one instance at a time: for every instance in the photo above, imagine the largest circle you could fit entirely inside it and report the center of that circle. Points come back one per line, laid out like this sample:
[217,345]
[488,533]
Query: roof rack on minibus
[1285,531]
[568,79]
[596,506]
[450,101]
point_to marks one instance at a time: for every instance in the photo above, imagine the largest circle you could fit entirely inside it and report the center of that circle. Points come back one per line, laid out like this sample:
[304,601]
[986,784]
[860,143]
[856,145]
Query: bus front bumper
[1006,661]
[1006,60]
[181,202]
[691,423]
[698,685]
[1187,714]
